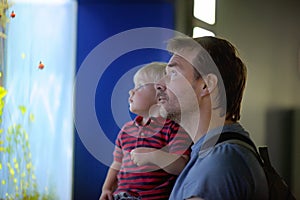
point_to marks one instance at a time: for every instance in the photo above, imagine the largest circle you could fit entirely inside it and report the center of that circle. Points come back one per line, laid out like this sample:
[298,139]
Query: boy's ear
[209,84]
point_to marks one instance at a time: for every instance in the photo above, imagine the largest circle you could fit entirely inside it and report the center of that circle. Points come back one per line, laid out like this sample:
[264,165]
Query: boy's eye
[138,87]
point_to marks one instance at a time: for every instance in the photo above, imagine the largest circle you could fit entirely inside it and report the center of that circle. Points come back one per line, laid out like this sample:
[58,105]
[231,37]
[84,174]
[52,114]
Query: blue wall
[98,21]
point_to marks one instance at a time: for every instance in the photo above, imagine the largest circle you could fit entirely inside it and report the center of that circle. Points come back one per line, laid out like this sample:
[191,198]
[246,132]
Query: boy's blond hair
[153,72]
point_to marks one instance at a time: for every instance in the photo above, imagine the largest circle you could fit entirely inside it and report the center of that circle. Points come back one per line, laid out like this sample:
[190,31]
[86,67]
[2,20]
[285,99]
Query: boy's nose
[130,92]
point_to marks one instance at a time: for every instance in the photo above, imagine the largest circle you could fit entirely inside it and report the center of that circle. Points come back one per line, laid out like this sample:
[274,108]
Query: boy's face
[142,97]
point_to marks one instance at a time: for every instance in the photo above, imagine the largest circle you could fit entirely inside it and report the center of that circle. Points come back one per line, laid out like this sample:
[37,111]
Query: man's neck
[198,125]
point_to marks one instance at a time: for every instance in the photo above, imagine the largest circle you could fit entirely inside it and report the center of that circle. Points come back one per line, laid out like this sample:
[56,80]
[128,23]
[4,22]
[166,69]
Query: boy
[150,150]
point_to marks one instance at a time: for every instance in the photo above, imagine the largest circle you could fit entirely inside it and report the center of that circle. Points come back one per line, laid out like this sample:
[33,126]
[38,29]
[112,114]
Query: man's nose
[160,85]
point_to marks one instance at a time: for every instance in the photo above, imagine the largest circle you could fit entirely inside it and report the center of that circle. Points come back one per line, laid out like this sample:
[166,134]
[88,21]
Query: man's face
[177,91]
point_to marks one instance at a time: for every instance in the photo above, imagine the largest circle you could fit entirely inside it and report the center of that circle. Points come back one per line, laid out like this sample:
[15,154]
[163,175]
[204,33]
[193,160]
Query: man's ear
[209,84]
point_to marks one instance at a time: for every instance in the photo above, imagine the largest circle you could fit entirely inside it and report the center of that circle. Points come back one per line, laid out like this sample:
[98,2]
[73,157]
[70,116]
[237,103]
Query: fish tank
[37,72]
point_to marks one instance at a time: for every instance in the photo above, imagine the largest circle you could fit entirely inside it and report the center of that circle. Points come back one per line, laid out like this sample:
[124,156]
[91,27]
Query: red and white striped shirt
[148,182]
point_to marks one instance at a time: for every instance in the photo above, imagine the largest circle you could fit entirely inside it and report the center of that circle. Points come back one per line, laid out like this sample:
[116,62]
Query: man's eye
[173,73]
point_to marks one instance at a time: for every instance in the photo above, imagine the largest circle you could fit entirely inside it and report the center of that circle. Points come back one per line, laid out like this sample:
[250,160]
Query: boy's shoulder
[128,124]
[166,121]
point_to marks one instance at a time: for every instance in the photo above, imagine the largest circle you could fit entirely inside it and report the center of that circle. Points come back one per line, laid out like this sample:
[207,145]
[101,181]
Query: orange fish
[12,14]
[41,65]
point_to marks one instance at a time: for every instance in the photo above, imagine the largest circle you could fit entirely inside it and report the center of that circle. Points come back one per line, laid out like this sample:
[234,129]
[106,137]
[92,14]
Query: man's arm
[171,163]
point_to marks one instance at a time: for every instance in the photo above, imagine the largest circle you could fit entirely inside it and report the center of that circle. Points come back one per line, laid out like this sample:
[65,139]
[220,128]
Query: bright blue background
[97,21]
[47,33]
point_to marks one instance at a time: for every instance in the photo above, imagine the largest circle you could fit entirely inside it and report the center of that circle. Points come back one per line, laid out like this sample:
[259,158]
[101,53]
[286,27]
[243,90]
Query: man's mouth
[162,98]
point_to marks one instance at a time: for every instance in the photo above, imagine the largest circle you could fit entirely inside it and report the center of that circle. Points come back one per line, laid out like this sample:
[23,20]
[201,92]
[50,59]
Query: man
[203,90]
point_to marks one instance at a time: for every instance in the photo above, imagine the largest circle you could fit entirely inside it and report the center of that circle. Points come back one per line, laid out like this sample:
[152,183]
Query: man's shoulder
[225,153]
[227,158]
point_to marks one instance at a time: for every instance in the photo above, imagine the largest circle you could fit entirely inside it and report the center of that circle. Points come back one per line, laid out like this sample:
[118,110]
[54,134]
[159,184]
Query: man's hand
[142,155]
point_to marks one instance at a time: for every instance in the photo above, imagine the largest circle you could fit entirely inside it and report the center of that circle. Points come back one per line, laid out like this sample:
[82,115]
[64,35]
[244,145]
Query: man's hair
[153,71]
[220,57]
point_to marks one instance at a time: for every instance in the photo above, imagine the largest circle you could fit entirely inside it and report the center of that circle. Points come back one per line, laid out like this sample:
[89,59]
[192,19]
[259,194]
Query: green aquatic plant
[4,5]
[17,176]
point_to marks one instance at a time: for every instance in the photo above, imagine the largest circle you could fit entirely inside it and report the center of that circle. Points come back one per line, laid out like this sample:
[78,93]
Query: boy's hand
[106,195]
[143,155]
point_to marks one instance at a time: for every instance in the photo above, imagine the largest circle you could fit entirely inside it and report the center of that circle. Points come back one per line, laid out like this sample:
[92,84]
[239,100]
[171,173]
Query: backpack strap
[233,135]
[263,152]
[278,189]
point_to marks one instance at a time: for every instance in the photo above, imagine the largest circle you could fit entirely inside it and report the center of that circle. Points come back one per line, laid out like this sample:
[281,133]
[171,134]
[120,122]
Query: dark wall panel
[280,136]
